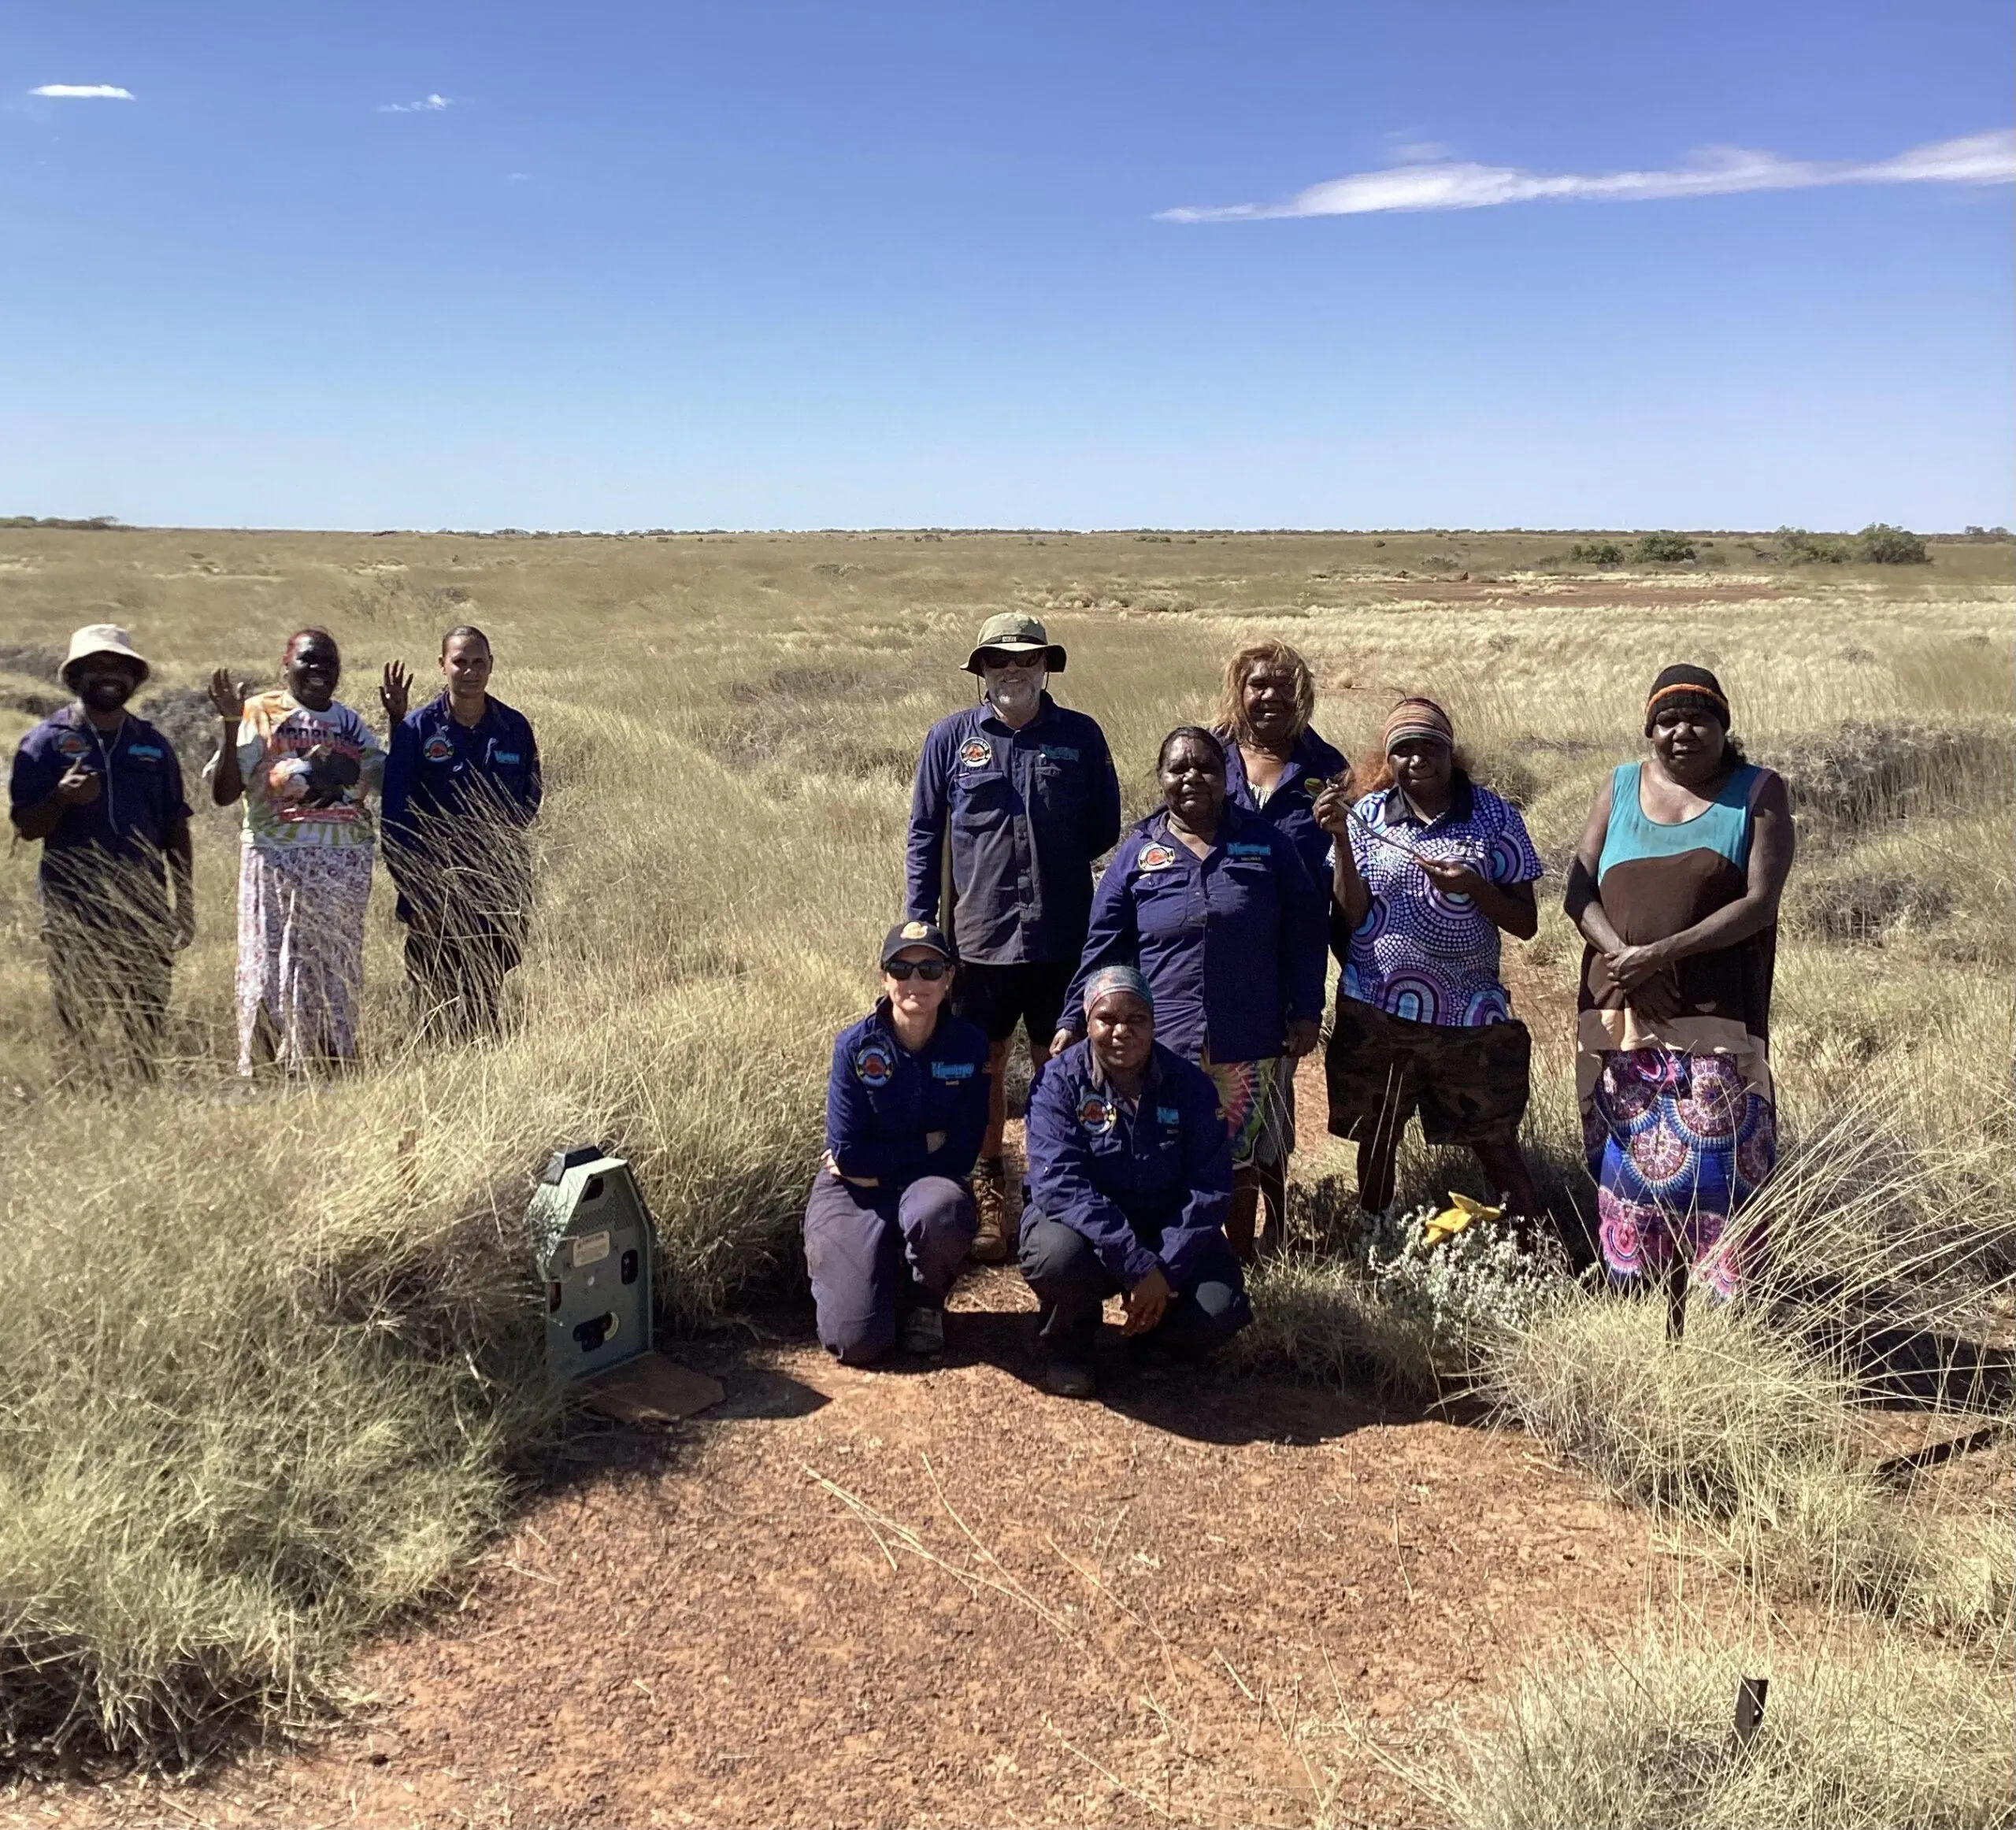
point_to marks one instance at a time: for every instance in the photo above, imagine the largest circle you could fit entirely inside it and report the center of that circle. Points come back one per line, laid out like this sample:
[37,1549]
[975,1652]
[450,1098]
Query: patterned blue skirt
[1677,1143]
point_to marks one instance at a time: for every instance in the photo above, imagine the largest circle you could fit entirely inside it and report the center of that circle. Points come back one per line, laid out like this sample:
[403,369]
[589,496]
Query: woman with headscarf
[891,1215]
[1675,887]
[1276,765]
[1429,870]
[1212,904]
[303,763]
[1130,1180]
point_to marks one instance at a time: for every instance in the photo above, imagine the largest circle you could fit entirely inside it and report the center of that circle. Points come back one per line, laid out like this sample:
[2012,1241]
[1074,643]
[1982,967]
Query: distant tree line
[1878,544]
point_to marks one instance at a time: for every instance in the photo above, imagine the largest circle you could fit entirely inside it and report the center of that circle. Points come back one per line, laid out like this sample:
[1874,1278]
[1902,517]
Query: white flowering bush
[1483,1281]
[1416,1315]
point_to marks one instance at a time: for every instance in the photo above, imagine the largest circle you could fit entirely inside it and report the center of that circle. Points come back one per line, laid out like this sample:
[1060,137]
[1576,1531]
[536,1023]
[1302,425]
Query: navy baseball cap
[915,934]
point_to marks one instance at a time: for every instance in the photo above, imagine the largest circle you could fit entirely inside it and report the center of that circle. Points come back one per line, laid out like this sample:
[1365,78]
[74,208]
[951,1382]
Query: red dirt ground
[936,1596]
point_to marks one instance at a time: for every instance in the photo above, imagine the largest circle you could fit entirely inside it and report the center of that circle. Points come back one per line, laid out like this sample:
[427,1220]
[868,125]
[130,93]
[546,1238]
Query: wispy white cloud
[1981,158]
[84,92]
[426,105]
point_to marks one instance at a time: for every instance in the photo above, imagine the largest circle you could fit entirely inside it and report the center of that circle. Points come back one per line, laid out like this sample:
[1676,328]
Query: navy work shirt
[1231,943]
[881,1100]
[1312,765]
[440,770]
[88,855]
[1027,812]
[1145,1186]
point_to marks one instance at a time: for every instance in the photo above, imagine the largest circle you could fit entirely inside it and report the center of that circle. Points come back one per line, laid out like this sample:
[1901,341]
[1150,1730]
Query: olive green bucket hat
[1015,632]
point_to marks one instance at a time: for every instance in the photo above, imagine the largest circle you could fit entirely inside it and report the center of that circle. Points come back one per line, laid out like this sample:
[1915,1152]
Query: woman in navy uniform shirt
[461,784]
[1276,765]
[891,1218]
[1212,903]
[1130,1180]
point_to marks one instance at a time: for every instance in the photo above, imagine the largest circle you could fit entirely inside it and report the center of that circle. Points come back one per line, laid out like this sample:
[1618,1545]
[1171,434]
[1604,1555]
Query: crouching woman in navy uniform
[891,1218]
[1130,1180]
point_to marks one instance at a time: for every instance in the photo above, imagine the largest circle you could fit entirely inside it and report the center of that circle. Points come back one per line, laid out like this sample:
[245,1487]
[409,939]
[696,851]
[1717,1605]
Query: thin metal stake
[1749,1708]
[1677,1300]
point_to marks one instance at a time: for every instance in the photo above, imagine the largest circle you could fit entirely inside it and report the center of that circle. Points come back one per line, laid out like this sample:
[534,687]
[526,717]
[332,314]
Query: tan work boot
[990,1187]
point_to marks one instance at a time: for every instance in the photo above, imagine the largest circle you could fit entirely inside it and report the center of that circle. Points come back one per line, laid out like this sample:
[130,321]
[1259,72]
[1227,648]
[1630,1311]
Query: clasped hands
[1644,975]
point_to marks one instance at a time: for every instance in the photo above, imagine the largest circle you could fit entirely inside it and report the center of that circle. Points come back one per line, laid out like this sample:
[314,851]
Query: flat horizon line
[111,525]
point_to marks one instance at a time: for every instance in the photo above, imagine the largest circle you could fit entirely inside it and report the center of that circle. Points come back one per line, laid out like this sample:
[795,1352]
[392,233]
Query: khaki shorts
[1469,1084]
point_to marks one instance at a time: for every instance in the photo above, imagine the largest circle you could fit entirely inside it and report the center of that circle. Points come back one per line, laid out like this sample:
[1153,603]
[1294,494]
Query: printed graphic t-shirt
[282,809]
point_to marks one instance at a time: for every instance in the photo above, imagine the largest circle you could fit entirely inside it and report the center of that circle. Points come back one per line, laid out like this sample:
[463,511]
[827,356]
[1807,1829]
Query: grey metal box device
[592,1239]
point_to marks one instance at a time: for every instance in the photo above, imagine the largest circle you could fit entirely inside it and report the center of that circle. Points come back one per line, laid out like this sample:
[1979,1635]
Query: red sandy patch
[939,1597]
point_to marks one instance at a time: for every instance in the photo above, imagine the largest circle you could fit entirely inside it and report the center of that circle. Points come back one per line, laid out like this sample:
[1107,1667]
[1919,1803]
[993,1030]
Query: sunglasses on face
[998,658]
[930,971]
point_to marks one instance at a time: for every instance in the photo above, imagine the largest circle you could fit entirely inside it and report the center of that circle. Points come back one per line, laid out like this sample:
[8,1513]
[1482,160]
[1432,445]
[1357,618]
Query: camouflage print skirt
[1469,1083]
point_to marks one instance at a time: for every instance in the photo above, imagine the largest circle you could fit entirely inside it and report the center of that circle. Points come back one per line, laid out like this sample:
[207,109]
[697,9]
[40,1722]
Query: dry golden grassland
[263,1373]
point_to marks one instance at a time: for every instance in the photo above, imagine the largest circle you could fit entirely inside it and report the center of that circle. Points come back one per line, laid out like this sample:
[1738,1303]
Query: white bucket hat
[102,638]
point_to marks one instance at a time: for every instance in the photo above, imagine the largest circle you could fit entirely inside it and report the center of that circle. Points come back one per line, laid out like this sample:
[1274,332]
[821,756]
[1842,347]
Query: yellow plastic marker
[1452,1219]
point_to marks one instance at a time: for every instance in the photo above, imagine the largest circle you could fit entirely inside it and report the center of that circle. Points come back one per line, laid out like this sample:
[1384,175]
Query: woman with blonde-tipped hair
[1276,765]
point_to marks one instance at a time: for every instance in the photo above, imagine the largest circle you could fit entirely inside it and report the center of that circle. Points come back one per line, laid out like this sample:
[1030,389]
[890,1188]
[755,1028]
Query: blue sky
[628,264]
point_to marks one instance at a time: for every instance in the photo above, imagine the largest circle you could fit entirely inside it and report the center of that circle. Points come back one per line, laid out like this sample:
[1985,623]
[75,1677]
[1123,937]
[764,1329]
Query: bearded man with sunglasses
[890,1218]
[1016,798]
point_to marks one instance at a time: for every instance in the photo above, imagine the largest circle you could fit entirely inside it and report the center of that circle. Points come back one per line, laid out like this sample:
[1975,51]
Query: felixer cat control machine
[592,1239]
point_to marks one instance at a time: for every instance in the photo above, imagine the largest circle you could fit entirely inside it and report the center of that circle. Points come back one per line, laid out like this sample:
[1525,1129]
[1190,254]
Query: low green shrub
[1880,544]
[1662,549]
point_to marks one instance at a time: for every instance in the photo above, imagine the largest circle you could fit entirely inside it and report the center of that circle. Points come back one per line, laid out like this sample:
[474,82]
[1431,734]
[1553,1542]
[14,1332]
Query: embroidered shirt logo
[874,1065]
[507,758]
[438,747]
[1058,752]
[72,743]
[1095,1114]
[1248,851]
[975,753]
[1167,1115]
[1155,857]
[143,752]
[951,1070]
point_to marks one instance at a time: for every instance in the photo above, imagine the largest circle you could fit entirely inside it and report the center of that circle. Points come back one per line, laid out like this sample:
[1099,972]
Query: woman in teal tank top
[1675,887]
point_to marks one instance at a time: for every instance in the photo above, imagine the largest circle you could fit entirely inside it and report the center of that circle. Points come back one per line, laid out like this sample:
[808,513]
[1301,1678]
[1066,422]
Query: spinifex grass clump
[1753,1430]
[223,1452]
[1874,1733]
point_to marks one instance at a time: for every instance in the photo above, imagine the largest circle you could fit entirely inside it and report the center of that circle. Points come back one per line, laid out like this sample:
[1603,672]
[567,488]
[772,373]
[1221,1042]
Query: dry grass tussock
[1881,1734]
[266,1355]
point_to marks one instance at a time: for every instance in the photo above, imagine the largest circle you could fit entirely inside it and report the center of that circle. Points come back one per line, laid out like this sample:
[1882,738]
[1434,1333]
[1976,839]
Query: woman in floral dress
[1675,887]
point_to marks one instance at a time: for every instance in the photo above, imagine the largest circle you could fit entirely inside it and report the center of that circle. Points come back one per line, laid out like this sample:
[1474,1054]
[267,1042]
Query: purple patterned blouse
[1422,955]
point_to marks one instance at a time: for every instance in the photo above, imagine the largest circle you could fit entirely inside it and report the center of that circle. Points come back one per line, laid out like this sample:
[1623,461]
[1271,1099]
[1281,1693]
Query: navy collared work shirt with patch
[139,809]
[1230,943]
[881,1100]
[1312,765]
[1145,1185]
[1025,813]
[440,769]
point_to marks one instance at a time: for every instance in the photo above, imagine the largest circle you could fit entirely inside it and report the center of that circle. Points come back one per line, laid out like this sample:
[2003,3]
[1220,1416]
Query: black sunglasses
[930,971]
[1004,657]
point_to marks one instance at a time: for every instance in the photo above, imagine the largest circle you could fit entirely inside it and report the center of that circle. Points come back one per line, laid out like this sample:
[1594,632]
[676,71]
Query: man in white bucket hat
[103,789]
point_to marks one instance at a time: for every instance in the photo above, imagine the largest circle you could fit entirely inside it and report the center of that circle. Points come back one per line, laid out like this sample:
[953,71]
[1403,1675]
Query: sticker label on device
[590,1248]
